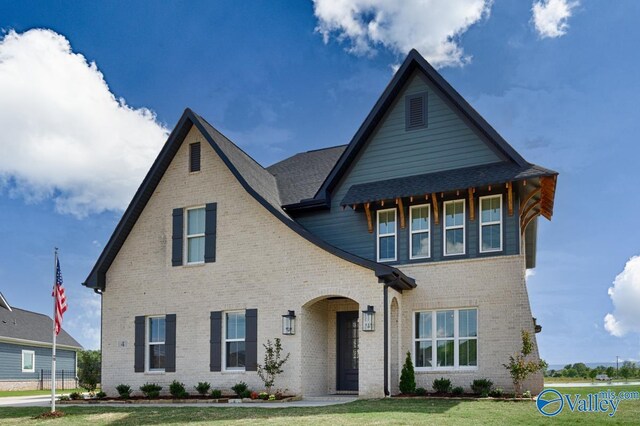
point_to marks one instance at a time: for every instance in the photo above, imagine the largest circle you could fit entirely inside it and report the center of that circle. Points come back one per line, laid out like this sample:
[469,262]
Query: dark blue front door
[347,351]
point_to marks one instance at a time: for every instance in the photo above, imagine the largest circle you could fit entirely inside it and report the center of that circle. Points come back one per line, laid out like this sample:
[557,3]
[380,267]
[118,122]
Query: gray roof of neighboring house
[299,177]
[26,325]
[448,180]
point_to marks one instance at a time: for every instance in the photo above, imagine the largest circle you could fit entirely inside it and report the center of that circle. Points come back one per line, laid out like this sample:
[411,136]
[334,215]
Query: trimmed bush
[75,396]
[177,390]
[124,391]
[457,391]
[101,395]
[526,394]
[496,393]
[239,388]
[216,394]
[442,385]
[245,394]
[263,395]
[482,387]
[407,377]
[64,398]
[203,388]
[151,390]
[421,391]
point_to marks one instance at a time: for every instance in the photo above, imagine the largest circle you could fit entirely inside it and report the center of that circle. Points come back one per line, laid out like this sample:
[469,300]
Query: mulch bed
[49,415]
[470,396]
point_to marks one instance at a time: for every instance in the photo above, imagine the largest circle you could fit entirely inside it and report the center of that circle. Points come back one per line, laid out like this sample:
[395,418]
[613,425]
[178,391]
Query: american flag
[61,299]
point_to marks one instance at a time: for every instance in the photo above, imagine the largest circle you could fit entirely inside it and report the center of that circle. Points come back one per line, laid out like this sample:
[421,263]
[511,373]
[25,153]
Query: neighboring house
[25,351]
[427,218]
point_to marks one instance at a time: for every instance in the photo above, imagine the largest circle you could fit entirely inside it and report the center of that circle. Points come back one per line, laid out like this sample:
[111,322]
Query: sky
[89,92]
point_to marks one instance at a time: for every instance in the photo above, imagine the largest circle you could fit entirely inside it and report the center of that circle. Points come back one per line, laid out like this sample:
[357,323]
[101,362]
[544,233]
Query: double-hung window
[420,240]
[234,340]
[454,238]
[28,361]
[491,223]
[446,339]
[387,235]
[195,228]
[156,354]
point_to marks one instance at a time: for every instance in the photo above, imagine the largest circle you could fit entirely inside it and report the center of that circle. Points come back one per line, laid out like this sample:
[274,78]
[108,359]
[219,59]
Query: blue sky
[563,96]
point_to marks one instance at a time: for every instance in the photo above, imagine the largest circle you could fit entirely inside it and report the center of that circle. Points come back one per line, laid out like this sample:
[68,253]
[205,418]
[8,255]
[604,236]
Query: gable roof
[256,180]
[19,324]
[414,61]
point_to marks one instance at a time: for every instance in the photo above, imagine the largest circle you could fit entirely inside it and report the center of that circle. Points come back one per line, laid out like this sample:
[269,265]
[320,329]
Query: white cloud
[65,136]
[430,26]
[84,324]
[550,16]
[625,295]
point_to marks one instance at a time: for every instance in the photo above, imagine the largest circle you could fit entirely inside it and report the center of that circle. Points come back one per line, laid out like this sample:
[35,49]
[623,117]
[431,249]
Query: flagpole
[53,350]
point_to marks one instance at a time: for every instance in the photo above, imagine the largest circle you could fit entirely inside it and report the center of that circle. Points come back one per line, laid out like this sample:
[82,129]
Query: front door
[347,351]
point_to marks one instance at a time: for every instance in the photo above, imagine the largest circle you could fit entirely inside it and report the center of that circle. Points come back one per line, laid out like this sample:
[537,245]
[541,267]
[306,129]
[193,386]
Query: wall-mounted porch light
[369,319]
[289,323]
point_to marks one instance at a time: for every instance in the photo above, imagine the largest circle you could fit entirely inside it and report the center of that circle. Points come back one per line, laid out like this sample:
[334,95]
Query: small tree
[89,363]
[408,376]
[273,363]
[519,366]
[592,374]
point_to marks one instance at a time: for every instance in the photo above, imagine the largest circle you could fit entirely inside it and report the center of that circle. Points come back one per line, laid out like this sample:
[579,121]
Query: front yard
[388,411]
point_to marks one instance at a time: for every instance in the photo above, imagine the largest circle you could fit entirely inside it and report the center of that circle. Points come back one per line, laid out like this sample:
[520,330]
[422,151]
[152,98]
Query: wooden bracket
[401,211]
[472,208]
[436,216]
[367,210]
[510,198]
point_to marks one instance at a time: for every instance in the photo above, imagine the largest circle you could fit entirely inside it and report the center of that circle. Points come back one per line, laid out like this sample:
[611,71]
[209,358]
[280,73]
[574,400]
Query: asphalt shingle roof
[21,324]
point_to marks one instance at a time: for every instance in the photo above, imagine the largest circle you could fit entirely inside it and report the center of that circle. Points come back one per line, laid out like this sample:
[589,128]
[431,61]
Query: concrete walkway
[589,385]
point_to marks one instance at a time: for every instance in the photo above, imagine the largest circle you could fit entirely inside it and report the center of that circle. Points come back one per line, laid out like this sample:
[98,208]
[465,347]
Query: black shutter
[170,343]
[194,157]
[215,357]
[251,340]
[138,365]
[176,248]
[211,213]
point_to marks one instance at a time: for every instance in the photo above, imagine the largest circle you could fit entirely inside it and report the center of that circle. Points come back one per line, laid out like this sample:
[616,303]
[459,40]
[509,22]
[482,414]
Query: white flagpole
[53,350]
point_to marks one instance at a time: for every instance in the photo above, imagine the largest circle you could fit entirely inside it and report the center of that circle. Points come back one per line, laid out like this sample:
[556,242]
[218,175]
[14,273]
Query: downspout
[385,299]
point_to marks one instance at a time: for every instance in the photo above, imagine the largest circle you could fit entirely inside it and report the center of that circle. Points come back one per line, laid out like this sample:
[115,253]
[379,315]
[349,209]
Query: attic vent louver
[194,157]
[416,111]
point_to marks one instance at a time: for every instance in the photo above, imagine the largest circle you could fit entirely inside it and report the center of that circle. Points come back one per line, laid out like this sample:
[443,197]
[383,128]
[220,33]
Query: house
[415,237]
[25,351]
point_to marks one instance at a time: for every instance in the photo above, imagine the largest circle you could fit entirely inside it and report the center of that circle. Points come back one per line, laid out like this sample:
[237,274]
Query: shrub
[245,394]
[64,398]
[457,391]
[519,366]
[496,393]
[177,390]
[75,396]
[527,394]
[421,391]
[216,394]
[101,395]
[124,391]
[482,387]
[408,376]
[442,385]
[272,397]
[151,390]
[239,388]
[273,362]
[89,363]
[203,388]
[254,395]
[263,395]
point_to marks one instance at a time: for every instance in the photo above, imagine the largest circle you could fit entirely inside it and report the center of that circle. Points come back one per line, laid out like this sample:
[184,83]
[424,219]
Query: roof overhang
[37,343]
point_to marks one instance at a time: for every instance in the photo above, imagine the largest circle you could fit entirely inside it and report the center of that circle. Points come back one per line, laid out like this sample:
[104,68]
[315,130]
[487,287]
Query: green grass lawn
[387,411]
[38,392]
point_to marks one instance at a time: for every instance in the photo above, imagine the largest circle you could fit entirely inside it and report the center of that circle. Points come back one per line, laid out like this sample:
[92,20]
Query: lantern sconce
[289,323]
[369,319]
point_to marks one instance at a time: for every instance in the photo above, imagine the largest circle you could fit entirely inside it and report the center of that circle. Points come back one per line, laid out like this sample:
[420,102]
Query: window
[416,111]
[155,344]
[28,361]
[454,227]
[386,235]
[420,240]
[195,235]
[446,339]
[491,223]
[194,157]
[234,351]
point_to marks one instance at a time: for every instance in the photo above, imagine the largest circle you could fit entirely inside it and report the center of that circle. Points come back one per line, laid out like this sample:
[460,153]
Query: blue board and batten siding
[446,143]
[11,361]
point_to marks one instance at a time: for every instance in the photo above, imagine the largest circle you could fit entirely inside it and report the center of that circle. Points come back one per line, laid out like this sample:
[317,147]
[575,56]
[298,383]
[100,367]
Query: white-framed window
[454,232]
[234,341]
[490,223]
[28,361]
[156,354]
[387,245]
[194,235]
[445,339]
[420,231]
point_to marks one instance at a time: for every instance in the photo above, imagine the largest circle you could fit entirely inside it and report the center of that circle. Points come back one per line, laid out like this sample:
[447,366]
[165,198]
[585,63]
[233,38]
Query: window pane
[156,356]
[490,209]
[454,213]
[490,237]
[455,241]
[420,245]
[423,325]
[196,249]
[387,247]
[27,360]
[445,353]
[235,355]
[468,352]
[424,353]
[195,221]
[444,324]
[387,222]
[420,218]
[156,330]
[235,325]
[468,323]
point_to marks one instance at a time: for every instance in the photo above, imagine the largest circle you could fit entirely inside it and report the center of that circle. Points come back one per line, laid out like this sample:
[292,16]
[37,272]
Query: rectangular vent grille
[416,111]
[194,157]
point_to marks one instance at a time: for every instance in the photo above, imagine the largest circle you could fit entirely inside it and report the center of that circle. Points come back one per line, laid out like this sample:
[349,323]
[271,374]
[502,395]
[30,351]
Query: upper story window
[491,223]
[420,240]
[156,355]
[194,157]
[28,361]
[454,232]
[195,235]
[416,111]
[234,338]
[387,239]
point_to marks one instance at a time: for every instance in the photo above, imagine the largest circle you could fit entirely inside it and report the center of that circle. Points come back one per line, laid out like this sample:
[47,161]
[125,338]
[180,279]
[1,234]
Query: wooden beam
[524,225]
[529,197]
[367,211]
[436,216]
[472,208]
[510,198]
[401,211]
[530,207]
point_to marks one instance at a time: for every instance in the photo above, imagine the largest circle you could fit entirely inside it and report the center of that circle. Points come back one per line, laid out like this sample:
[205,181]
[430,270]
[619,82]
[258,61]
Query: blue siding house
[25,351]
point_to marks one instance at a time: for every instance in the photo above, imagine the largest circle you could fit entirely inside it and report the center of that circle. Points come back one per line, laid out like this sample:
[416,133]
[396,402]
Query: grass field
[388,411]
